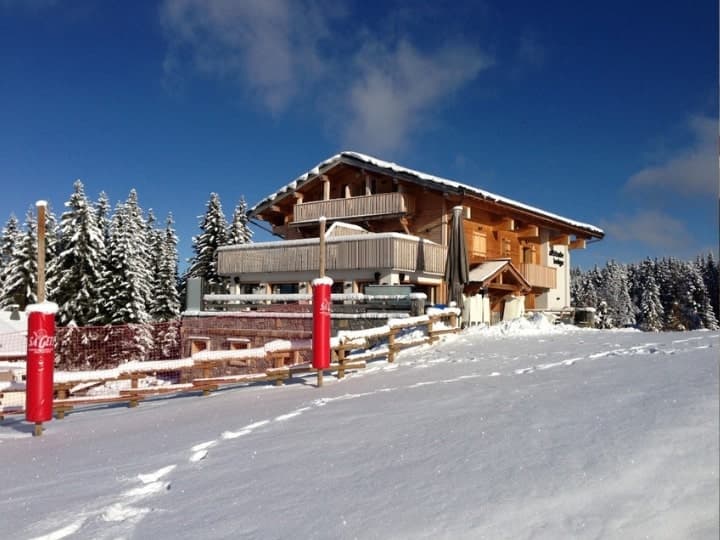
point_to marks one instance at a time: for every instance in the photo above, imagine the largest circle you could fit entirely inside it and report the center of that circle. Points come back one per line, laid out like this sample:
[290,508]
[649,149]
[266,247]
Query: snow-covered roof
[489,269]
[355,158]
[486,270]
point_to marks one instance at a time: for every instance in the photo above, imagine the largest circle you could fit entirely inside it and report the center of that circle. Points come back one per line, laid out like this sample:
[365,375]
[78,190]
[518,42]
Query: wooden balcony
[540,276]
[363,252]
[354,208]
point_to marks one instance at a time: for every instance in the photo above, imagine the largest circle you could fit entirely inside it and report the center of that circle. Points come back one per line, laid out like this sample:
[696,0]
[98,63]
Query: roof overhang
[499,274]
[452,187]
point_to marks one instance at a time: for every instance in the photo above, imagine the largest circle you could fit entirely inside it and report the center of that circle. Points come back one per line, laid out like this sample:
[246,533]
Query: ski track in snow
[124,512]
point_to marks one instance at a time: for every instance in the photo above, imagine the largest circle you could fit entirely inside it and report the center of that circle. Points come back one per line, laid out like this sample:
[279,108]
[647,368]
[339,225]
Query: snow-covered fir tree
[102,211]
[127,284]
[8,239]
[77,270]
[239,231]
[668,294]
[203,263]
[20,275]
[710,270]
[165,300]
[615,293]
[650,313]
[52,248]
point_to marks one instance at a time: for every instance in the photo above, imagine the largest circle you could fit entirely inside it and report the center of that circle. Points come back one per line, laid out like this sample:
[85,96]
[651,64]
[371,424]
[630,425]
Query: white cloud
[693,171]
[397,87]
[373,94]
[649,227]
[269,47]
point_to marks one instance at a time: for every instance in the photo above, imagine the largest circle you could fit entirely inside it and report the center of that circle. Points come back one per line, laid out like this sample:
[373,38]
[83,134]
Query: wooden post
[391,345]
[322,247]
[41,205]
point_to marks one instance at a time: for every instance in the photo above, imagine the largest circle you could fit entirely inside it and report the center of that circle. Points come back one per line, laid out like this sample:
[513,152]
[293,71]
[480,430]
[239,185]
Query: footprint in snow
[198,456]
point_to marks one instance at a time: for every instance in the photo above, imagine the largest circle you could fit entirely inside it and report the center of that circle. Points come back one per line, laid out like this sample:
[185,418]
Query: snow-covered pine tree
[127,284]
[102,211]
[165,300]
[615,293]
[213,235]
[52,249]
[20,277]
[8,239]
[667,278]
[104,218]
[239,231]
[77,272]
[650,313]
[710,270]
[695,302]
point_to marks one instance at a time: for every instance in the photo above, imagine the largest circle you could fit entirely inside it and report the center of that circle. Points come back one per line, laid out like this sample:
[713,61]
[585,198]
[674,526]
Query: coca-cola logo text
[39,341]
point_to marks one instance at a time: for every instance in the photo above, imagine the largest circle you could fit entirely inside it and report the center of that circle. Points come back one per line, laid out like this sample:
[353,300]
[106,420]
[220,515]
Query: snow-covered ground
[517,431]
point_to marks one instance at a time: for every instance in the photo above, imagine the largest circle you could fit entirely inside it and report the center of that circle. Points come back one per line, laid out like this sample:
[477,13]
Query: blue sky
[601,112]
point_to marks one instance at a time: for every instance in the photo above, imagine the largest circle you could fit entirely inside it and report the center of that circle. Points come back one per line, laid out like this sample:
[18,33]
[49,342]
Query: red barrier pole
[321,325]
[40,363]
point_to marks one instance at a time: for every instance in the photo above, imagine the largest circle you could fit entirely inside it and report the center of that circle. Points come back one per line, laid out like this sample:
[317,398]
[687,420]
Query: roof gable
[411,175]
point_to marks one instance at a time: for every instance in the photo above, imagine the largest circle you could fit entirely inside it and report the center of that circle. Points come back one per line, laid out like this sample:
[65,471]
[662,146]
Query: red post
[321,324]
[40,363]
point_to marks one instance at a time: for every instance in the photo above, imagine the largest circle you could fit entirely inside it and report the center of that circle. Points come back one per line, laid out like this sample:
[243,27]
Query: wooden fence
[276,362]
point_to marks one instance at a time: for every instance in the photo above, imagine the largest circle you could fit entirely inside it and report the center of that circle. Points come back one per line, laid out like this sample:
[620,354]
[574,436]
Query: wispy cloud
[397,87]
[650,227]
[372,91]
[268,47]
[693,171]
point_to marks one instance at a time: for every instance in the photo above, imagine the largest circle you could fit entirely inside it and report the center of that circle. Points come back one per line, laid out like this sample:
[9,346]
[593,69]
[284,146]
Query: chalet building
[388,224]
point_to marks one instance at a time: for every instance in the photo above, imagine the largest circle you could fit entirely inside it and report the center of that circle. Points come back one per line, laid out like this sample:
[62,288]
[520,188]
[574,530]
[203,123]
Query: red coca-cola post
[40,363]
[321,325]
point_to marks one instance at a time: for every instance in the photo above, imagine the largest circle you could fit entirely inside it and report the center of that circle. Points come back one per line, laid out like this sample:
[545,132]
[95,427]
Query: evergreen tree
[165,304]
[710,271]
[127,283]
[213,235]
[614,292]
[20,276]
[77,273]
[650,312]
[52,249]
[239,231]
[8,239]
[102,211]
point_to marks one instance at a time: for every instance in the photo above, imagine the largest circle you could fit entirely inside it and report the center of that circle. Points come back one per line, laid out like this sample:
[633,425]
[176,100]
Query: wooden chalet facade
[389,224]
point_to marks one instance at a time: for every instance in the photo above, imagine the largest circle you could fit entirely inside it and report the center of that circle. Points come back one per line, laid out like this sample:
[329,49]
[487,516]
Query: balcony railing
[539,276]
[367,206]
[372,251]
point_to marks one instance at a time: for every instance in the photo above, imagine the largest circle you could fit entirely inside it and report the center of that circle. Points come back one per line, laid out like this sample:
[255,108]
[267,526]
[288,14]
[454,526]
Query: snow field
[552,434]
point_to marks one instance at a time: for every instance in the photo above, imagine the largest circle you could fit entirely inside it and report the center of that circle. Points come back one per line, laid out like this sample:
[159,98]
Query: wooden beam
[562,240]
[529,231]
[326,187]
[504,286]
[506,224]
[404,224]
[578,243]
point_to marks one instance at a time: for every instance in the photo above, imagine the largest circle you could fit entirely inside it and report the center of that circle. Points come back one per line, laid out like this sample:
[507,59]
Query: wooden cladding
[366,206]
[364,252]
[539,276]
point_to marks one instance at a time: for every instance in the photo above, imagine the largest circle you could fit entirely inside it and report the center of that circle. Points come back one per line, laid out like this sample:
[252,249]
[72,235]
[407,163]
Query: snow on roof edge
[370,160]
